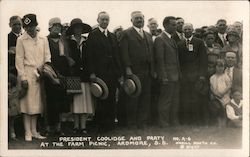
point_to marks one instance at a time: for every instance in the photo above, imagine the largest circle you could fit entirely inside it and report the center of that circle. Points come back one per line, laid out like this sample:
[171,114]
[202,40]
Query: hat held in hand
[132,86]
[99,88]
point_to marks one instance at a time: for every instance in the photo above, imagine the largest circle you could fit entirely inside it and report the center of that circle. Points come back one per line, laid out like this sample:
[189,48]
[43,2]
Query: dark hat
[29,20]
[99,88]
[77,21]
[132,85]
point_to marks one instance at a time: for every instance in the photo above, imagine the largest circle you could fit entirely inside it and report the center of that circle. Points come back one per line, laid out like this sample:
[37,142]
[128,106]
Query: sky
[199,13]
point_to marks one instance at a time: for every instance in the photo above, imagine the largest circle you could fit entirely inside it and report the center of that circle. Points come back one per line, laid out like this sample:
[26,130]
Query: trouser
[168,106]
[138,107]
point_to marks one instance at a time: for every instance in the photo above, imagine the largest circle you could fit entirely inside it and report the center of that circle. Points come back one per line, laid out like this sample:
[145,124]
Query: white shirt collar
[101,29]
[190,38]
[238,105]
[137,29]
[17,34]
[179,34]
[169,35]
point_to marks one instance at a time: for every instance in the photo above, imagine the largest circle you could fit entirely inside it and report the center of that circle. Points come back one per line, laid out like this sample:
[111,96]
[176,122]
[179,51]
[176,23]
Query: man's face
[188,31]
[56,29]
[232,38]
[238,27]
[222,27]
[138,20]
[171,27]
[16,26]
[230,59]
[179,23]
[237,96]
[103,20]
[152,25]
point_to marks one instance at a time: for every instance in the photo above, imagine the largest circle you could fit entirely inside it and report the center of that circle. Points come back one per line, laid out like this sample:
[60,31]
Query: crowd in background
[182,75]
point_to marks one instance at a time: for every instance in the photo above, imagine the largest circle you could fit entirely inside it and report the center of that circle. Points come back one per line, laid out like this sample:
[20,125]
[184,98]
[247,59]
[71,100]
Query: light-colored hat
[132,86]
[99,89]
[53,21]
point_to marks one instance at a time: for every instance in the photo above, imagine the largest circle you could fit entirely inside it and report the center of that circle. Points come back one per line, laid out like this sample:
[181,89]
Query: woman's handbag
[72,84]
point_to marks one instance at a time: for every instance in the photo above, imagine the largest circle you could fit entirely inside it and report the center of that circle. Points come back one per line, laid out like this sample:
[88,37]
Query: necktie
[229,73]
[187,43]
[105,33]
[141,33]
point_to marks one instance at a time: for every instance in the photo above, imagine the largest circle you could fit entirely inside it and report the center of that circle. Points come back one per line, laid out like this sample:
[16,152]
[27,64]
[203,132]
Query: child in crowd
[220,84]
[234,110]
[14,94]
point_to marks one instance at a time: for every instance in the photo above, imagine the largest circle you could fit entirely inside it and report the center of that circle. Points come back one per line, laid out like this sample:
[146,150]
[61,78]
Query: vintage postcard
[124,78]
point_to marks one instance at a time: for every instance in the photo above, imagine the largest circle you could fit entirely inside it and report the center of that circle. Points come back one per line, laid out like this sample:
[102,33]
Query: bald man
[193,65]
[137,57]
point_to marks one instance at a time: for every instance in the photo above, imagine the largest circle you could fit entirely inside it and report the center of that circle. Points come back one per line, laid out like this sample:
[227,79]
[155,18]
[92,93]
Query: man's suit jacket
[193,63]
[237,80]
[12,38]
[176,37]
[134,53]
[219,41]
[167,61]
[103,53]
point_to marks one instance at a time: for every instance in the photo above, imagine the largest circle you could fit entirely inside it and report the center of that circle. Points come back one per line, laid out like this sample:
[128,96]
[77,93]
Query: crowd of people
[130,77]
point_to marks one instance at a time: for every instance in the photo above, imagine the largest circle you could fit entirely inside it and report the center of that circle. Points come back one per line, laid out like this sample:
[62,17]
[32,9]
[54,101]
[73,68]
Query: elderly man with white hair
[193,65]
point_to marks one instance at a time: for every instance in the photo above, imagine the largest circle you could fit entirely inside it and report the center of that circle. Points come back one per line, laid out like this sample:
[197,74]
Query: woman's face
[219,69]
[210,40]
[31,30]
[232,38]
[77,30]
[56,29]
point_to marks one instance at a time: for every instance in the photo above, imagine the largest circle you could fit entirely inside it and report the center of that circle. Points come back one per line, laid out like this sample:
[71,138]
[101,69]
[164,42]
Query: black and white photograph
[124,78]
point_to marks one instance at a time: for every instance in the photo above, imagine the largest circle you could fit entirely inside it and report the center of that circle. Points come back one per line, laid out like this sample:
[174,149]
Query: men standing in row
[137,57]
[193,64]
[102,50]
[168,72]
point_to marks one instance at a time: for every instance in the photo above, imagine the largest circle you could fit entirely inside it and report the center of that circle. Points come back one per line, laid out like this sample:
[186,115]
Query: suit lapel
[168,40]
[136,34]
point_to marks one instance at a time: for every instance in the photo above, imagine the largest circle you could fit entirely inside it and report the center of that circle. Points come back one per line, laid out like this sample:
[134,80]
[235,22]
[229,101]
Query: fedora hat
[99,88]
[132,85]
[29,20]
[77,21]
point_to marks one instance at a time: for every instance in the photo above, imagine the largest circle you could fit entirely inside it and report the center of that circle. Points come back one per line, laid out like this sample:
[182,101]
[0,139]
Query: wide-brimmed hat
[132,85]
[29,20]
[77,21]
[54,21]
[99,88]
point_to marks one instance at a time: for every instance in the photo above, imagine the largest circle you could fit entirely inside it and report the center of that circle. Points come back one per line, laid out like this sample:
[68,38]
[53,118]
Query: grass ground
[181,137]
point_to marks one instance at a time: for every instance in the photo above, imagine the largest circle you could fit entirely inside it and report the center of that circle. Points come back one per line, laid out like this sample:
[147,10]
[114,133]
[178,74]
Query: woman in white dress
[32,51]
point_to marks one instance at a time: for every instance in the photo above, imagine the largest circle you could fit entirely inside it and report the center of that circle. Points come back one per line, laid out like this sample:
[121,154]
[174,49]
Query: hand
[24,84]
[121,80]
[71,62]
[92,77]
[12,50]
[202,78]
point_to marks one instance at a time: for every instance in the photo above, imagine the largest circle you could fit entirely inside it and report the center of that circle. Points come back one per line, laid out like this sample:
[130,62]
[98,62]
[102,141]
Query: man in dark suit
[234,73]
[220,38]
[137,57]
[193,64]
[103,62]
[16,27]
[178,35]
[168,72]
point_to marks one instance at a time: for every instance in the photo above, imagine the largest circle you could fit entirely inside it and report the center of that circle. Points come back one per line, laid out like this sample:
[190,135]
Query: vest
[238,111]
